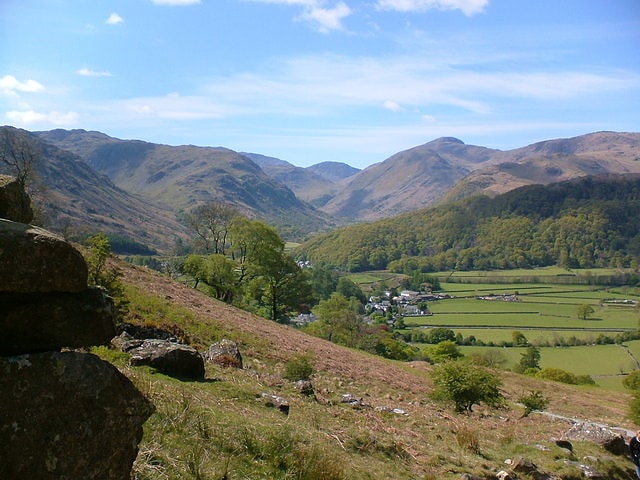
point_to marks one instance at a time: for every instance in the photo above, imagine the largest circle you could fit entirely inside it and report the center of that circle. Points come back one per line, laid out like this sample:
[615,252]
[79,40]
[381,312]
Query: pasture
[546,313]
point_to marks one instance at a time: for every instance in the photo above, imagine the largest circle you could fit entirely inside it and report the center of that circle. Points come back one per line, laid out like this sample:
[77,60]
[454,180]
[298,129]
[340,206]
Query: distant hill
[447,169]
[76,200]
[587,222]
[308,185]
[552,161]
[333,171]
[182,177]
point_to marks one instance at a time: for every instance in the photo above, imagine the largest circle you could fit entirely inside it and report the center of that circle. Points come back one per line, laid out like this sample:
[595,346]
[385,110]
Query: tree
[584,311]
[446,350]
[341,322]
[211,224]
[519,339]
[19,154]
[530,359]
[440,334]
[466,385]
[349,289]
[534,401]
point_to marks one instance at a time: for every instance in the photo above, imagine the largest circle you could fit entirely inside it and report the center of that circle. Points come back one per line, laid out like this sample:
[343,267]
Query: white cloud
[393,106]
[10,86]
[176,3]
[114,19]
[468,7]
[86,72]
[30,117]
[318,13]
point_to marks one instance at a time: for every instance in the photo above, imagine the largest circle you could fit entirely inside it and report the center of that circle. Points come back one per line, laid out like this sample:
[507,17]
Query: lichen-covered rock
[225,353]
[38,322]
[173,359]
[275,401]
[68,415]
[35,260]
[15,204]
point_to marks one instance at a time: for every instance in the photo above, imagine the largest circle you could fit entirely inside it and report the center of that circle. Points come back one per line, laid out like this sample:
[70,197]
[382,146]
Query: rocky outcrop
[68,415]
[64,415]
[14,202]
[173,359]
[607,438]
[35,260]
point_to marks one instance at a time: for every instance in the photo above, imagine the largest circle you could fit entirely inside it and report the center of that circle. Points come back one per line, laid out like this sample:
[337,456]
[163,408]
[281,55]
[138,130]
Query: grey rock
[225,353]
[305,387]
[173,359]
[275,401]
[38,322]
[15,204]
[35,260]
[68,415]
[607,438]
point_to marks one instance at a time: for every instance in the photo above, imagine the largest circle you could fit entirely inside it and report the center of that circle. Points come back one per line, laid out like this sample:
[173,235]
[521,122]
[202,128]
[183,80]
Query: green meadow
[546,313]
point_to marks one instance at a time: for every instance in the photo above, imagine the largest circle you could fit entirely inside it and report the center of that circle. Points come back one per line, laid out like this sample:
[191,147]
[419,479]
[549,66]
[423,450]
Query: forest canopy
[584,223]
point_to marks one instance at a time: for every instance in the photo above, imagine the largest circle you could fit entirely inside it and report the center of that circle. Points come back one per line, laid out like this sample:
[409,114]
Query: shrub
[300,367]
[559,375]
[466,385]
[534,401]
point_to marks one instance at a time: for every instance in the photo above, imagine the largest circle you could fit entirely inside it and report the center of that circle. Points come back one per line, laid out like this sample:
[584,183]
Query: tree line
[585,223]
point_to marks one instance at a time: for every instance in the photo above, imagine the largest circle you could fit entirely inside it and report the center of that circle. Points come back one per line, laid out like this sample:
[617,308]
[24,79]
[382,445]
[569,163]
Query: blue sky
[307,81]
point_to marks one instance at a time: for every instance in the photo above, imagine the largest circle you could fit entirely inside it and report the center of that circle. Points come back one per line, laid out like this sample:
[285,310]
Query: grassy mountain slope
[217,428]
[184,176]
[77,200]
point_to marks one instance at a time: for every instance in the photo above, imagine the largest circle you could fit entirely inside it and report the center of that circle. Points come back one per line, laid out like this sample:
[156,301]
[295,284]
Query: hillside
[76,200]
[582,223]
[182,177]
[218,428]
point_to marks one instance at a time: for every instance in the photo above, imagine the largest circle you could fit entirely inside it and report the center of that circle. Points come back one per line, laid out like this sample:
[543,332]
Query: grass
[218,429]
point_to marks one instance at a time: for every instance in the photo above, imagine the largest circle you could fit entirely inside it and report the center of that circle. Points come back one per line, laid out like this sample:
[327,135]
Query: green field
[544,314]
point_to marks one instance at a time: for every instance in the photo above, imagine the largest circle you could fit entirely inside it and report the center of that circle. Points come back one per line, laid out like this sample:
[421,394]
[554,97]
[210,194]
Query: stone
[15,204]
[35,260]
[38,322]
[68,415]
[520,464]
[607,438]
[173,359]
[225,353]
[468,476]
[304,387]
[276,401]
[565,444]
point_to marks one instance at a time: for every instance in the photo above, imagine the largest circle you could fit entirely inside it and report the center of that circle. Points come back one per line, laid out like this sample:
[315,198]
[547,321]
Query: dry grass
[430,441]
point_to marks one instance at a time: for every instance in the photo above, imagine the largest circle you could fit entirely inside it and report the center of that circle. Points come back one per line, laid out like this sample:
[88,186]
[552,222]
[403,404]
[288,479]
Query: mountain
[553,161]
[76,200]
[306,184]
[333,171]
[181,177]
[407,180]
[315,185]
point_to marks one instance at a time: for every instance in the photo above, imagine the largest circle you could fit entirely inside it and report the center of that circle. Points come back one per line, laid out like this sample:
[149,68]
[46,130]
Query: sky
[308,81]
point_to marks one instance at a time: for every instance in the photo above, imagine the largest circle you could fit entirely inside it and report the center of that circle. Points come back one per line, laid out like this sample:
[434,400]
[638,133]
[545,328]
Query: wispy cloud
[468,7]
[86,72]
[114,19]
[10,86]
[175,3]
[319,14]
[26,118]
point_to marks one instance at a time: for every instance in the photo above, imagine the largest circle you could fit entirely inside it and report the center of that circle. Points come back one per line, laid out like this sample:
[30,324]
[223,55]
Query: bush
[300,367]
[534,401]
[466,385]
[559,375]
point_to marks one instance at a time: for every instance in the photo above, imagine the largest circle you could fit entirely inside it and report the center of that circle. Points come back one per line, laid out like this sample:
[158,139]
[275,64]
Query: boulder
[173,359]
[275,401]
[15,204]
[38,322]
[225,353]
[35,260]
[304,387]
[607,438]
[68,415]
